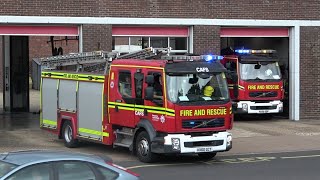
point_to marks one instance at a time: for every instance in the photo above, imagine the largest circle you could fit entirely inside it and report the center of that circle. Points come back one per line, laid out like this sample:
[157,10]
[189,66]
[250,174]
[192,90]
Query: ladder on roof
[98,61]
[147,53]
[76,59]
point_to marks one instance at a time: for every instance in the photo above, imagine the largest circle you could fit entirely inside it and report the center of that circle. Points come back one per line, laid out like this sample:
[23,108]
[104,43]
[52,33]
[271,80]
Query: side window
[125,86]
[72,170]
[107,174]
[158,88]
[138,81]
[34,172]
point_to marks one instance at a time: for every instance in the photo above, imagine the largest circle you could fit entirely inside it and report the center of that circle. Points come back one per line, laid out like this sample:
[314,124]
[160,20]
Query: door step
[124,133]
[124,137]
[121,144]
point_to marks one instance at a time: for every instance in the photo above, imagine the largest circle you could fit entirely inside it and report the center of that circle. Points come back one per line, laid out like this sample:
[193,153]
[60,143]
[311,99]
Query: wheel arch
[73,123]
[143,125]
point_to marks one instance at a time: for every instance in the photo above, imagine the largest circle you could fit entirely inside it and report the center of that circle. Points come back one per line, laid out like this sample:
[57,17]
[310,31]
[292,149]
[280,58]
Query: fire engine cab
[255,82]
[148,101]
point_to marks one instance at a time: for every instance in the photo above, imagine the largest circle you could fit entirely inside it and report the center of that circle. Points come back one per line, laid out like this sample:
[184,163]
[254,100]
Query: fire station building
[42,28]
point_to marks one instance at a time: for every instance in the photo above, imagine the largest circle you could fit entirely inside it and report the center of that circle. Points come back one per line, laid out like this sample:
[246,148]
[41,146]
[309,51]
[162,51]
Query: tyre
[207,156]
[143,148]
[67,134]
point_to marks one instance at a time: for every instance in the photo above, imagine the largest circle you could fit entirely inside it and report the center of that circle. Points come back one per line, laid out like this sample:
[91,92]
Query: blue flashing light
[192,123]
[208,58]
[219,57]
[212,57]
[242,51]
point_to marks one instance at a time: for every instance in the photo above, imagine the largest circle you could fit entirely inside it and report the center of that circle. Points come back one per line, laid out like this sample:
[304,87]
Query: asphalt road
[283,166]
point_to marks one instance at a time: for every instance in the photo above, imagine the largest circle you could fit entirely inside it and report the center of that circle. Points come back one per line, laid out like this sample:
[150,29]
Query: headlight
[229,140]
[245,107]
[175,143]
[281,107]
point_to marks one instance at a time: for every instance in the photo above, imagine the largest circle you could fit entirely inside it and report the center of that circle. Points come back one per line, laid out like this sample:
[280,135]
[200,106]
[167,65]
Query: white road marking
[297,157]
[157,165]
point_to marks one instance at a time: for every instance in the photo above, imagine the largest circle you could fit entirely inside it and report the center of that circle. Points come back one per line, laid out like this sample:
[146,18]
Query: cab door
[232,77]
[121,97]
[155,109]
[139,96]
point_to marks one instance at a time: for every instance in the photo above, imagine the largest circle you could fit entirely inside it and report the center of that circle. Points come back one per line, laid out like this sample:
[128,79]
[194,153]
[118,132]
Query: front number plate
[206,149]
[263,111]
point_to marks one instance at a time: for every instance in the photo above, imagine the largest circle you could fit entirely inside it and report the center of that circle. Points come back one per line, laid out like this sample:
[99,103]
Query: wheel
[207,156]
[143,148]
[67,135]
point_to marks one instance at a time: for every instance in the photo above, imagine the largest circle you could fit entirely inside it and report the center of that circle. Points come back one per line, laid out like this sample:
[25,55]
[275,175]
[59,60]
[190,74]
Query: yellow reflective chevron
[93,132]
[132,107]
[73,76]
[241,87]
[231,86]
[49,122]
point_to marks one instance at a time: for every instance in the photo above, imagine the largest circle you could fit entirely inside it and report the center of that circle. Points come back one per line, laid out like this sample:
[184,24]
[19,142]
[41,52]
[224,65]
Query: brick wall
[206,39]
[97,37]
[310,72]
[41,47]
[244,9]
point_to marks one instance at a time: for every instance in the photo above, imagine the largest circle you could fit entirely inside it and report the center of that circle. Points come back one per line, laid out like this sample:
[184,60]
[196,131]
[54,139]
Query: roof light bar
[193,58]
[251,51]
[211,57]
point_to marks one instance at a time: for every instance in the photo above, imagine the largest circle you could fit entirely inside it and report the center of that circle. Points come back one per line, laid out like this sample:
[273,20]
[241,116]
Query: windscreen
[260,71]
[197,87]
[5,168]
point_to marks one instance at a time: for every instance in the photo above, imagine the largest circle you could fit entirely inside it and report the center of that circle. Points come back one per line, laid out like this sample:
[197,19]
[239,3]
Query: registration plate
[206,149]
[263,111]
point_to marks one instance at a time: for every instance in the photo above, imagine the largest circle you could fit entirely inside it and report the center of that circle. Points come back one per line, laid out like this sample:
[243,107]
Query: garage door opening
[23,84]
[19,89]
[280,44]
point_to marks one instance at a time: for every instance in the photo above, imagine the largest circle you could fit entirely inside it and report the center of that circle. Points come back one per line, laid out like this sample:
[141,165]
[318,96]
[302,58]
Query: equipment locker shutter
[67,95]
[49,102]
[90,105]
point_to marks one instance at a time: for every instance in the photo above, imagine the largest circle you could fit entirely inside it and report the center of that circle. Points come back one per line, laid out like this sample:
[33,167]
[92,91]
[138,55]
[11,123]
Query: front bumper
[251,107]
[184,144]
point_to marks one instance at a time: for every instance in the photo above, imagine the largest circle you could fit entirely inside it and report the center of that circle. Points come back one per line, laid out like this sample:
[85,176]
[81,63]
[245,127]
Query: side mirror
[149,91]
[231,66]
[138,76]
[235,90]
[149,79]
[228,65]
[234,107]
[234,77]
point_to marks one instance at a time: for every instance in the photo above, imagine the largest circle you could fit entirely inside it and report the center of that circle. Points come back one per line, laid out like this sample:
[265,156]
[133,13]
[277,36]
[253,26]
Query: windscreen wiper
[204,123]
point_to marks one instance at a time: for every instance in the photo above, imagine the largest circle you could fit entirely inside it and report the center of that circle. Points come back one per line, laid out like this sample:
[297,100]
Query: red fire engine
[147,101]
[255,82]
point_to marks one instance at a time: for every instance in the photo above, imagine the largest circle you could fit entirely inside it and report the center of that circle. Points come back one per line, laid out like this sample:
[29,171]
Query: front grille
[262,107]
[203,143]
[202,123]
[263,94]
